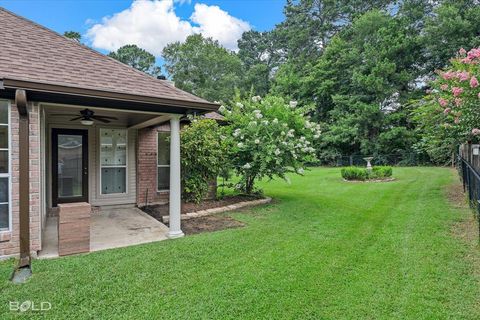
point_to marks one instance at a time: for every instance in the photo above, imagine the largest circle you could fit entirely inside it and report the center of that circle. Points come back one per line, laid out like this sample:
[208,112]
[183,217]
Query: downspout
[24,181]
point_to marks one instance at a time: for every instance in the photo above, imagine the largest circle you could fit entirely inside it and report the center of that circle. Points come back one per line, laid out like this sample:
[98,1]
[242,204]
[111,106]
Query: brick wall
[10,241]
[147,167]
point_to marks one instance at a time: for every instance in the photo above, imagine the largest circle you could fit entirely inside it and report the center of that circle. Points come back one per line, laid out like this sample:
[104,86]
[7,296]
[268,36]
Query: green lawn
[326,249]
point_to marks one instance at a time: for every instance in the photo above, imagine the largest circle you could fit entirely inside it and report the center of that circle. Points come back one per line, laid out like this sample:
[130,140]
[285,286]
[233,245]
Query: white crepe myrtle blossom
[273,138]
[256,98]
[300,171]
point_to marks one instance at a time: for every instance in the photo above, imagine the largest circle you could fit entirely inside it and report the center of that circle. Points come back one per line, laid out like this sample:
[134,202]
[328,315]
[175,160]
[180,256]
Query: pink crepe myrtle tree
[456,93]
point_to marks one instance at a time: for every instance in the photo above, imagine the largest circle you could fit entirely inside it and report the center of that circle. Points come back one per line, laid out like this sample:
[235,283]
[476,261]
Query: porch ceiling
[125,118]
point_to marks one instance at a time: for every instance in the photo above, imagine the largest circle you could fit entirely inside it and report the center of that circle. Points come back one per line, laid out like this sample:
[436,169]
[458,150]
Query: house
[80,130]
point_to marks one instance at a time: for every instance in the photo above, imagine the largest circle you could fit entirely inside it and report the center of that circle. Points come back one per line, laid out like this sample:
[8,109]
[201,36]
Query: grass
[326,249]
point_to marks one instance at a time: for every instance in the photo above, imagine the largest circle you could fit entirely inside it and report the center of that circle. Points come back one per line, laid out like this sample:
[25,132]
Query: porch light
[86,122]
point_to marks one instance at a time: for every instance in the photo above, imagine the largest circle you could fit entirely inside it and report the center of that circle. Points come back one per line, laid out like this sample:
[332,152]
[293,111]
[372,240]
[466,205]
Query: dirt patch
[158,211]
[206,223]
[209,224]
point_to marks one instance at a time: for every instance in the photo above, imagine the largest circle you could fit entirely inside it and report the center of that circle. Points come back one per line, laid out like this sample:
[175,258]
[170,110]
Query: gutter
[93,93]
[23,271]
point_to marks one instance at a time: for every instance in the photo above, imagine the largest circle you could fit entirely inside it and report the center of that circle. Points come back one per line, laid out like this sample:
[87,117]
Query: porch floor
[112,228]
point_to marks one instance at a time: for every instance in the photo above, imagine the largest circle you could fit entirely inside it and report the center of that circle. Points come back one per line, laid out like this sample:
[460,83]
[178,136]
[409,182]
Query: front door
[69,166]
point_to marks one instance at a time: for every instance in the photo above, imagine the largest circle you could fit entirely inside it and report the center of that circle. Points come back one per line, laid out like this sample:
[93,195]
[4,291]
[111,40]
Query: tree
[450,114]
[137,58]
[453,25]
[73,35]
[360,84]
[268,138]
[260,55]
[203,67]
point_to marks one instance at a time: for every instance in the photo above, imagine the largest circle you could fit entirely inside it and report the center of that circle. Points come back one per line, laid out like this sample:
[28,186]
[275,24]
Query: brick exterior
[10,241]
[147,167]
[74,228]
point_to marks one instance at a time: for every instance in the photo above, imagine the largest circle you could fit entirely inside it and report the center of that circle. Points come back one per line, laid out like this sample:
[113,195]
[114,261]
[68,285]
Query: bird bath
[369,165]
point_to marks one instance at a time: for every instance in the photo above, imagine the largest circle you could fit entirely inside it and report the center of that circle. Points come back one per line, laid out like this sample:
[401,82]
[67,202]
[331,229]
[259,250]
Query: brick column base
[73,228]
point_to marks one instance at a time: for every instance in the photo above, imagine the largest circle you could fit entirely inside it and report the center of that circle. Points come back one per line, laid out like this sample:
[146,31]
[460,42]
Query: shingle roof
[30,52]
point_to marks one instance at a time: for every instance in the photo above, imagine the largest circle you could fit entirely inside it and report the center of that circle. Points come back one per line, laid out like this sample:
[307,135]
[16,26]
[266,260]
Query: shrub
[268,138]
[354,173]
[381,172]
[362,174]
[203,155]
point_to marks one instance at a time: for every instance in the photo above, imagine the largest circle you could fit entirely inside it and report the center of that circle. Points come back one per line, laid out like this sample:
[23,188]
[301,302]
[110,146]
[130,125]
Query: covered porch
[110,228]
[95,161]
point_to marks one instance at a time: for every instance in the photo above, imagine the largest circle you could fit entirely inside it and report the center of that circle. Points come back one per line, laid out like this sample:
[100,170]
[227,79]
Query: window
[113,160]
[163,161]
[4,167]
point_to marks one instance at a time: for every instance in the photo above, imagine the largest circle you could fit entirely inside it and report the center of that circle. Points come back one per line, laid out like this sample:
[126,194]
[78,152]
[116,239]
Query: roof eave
[93,93]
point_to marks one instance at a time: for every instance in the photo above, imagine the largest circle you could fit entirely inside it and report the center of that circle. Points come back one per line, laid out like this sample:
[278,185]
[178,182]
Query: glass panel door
[70,166]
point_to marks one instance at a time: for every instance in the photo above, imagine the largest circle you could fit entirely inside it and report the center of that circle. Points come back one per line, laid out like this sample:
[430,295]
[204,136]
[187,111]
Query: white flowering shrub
[268,138]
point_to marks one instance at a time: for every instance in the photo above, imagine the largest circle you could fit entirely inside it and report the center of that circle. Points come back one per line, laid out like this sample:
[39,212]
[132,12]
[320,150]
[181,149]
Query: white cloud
[218,24]
[153,24]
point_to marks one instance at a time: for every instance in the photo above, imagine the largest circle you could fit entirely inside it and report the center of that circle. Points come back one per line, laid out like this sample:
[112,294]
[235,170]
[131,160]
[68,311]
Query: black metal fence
[471,185]
[406,159]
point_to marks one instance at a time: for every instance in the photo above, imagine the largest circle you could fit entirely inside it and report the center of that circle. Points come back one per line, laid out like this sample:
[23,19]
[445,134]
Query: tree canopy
[137,58]
[361,66]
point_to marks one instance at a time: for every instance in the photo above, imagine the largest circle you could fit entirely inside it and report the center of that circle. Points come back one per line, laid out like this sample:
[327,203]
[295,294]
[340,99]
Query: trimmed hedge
[362,174]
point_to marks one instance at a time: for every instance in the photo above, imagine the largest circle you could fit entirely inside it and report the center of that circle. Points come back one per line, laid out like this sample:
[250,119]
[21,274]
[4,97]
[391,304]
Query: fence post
[351,160]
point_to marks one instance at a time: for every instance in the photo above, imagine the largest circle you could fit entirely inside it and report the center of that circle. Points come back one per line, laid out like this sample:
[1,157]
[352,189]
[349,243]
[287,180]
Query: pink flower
[475,131]
[447,111]
[473,82]
[457,91]
[458,102]
[463,76]
[457,120]
[444,87]
[462,51]
[442,102]
[448,75]
[474,53]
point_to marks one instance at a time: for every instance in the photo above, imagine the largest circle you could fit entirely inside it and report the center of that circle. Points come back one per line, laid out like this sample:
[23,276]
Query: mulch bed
[203,224]
[209,224]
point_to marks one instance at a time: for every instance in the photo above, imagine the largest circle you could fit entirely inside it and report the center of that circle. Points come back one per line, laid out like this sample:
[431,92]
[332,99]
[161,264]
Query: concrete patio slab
[112,228]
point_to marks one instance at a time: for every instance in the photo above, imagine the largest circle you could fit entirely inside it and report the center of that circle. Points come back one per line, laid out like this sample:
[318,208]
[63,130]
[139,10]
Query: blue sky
[63,15]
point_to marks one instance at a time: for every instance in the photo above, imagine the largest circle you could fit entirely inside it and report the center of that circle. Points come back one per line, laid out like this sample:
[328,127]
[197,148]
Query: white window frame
[8,175]
[100,167]
[162,165]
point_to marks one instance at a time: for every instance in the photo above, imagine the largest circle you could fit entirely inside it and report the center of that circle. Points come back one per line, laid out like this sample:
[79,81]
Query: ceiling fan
[87,116]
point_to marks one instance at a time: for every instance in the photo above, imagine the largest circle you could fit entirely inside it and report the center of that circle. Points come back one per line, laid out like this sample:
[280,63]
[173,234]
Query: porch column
[175,189]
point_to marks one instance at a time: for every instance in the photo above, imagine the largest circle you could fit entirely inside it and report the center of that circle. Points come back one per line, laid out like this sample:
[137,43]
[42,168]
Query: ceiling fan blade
[107,117]
[76,118]
[100,119]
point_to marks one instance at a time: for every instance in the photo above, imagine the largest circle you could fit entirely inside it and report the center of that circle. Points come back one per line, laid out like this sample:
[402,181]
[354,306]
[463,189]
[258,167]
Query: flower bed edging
[371,180]
[203,213]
